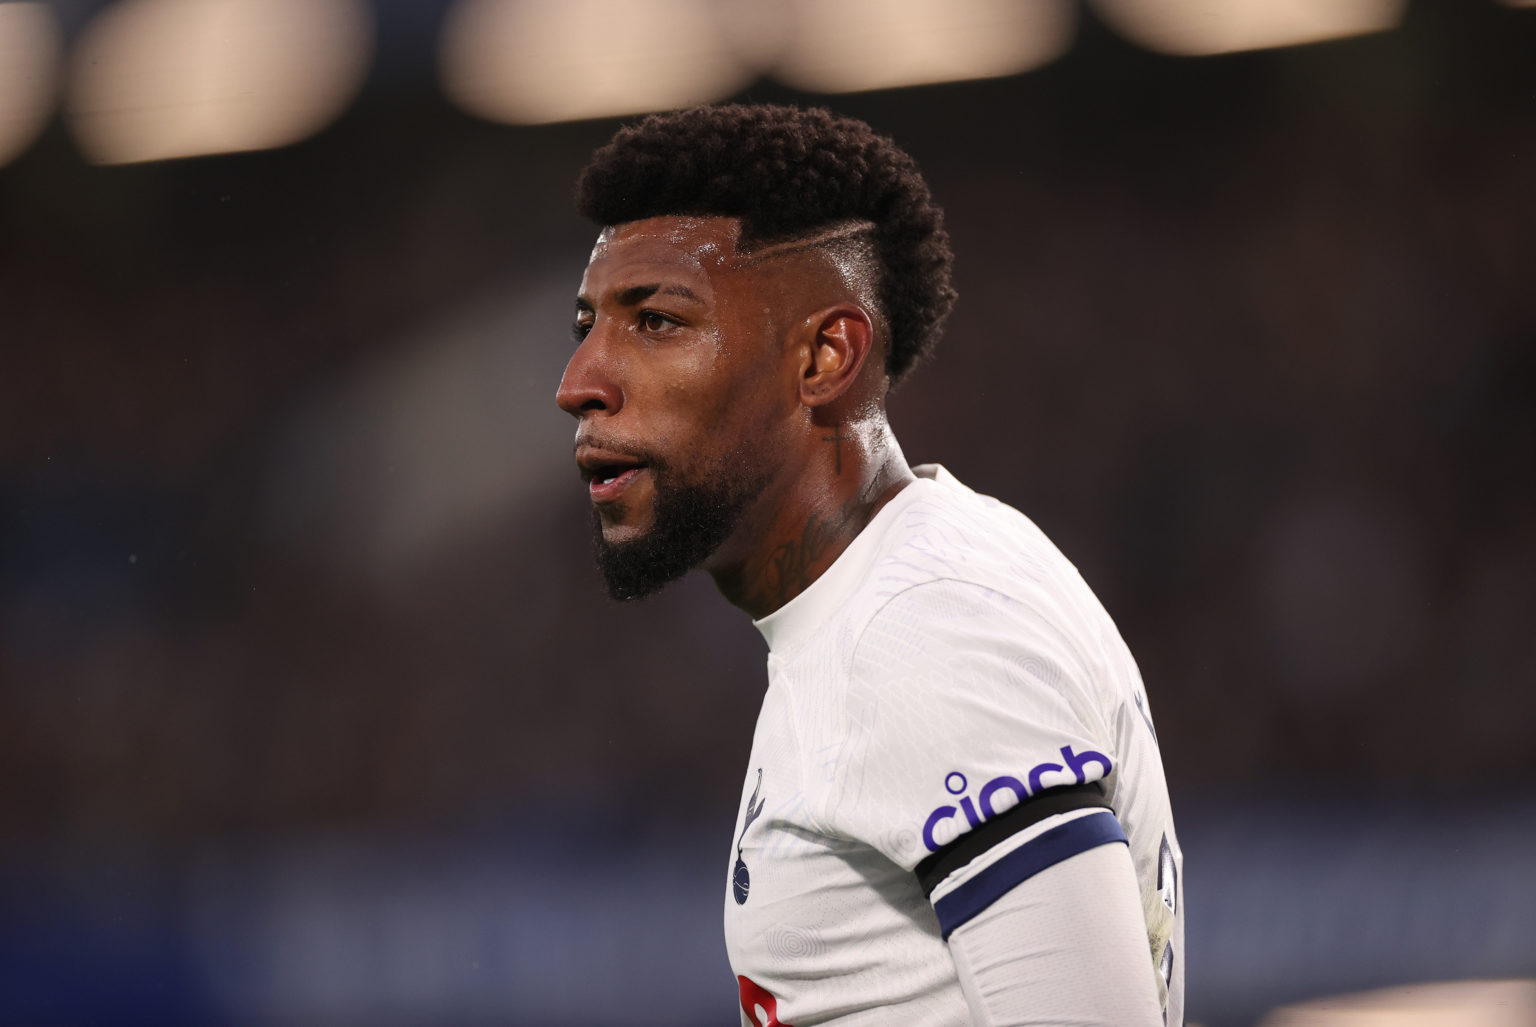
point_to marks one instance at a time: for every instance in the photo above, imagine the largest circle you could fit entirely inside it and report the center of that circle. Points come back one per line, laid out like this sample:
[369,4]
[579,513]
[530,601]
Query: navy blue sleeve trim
[1059,843]
[996,830]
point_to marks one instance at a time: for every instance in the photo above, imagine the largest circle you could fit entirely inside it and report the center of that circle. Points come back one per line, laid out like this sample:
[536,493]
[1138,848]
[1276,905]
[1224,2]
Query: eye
[580,328]
[651,321]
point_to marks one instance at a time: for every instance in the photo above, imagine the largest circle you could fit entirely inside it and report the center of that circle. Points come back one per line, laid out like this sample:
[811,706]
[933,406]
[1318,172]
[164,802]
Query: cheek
[693,381]
[755,400]
[725,396]
[757,422]
[721,382]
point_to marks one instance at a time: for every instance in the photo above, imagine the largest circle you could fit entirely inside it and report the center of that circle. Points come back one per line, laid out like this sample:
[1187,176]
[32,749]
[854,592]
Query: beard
[692,518]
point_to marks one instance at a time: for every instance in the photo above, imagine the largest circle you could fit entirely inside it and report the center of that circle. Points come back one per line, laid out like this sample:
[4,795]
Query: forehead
[699,249]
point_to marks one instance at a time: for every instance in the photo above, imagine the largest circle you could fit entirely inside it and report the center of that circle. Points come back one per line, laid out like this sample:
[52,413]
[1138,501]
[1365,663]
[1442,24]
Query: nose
[587,386]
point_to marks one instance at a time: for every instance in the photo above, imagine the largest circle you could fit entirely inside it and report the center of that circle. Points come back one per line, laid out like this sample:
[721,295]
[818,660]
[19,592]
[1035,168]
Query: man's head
[750,260]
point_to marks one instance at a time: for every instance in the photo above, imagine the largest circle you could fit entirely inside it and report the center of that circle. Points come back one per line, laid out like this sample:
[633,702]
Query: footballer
[954,810]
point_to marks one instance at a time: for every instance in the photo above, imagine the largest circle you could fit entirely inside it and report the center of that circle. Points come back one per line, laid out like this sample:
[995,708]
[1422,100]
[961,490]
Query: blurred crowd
[1262,365]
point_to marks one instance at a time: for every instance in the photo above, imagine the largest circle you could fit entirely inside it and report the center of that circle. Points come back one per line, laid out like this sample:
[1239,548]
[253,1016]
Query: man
[954,811]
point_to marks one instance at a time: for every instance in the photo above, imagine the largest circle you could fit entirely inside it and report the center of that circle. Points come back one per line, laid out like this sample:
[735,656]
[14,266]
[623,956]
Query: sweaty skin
[723,360]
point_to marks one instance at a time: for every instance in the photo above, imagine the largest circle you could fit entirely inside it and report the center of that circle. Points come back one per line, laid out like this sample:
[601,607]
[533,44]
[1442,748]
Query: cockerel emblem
[741,881]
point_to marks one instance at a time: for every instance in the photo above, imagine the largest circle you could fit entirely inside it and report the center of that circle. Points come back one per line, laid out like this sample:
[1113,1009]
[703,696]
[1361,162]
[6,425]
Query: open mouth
[607,476]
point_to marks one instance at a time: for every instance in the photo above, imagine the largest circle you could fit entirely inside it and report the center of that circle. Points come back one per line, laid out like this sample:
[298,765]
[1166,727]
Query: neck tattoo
[837,438]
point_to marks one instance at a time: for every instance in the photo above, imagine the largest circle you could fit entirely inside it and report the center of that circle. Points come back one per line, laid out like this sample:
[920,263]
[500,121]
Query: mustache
[618,447]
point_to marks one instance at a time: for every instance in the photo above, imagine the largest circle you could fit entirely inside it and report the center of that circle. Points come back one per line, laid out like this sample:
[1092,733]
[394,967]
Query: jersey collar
[791,624]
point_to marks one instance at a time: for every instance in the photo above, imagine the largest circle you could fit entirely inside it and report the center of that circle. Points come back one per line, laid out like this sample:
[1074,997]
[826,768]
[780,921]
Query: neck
[856,470]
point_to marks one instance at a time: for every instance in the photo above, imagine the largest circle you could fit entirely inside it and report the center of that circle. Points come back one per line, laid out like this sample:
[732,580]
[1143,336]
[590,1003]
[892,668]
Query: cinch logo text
[985,805]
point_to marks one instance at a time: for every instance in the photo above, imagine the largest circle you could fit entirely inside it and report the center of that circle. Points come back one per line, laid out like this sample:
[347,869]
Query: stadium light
[536,61]
[30,49]
[841,46]
[157,79]
[1200,27]
[1451,1004]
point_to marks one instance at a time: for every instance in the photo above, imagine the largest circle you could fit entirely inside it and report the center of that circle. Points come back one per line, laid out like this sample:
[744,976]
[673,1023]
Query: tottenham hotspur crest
[741,881]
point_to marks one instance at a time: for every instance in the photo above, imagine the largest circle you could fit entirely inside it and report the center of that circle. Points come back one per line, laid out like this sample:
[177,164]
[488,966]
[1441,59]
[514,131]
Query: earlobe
[843,337]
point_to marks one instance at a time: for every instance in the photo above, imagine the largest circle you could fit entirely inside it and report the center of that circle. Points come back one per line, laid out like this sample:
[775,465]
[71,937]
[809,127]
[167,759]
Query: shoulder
[950,585]
[955,688]
[963,573]
[949,532]
[965,645]
[969,603]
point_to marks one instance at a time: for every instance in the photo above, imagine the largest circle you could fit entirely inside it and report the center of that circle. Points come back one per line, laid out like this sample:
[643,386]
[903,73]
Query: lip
[608,491]
[608,472]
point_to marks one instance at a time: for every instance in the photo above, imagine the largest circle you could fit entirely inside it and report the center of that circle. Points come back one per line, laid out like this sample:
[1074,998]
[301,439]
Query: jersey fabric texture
[949,711]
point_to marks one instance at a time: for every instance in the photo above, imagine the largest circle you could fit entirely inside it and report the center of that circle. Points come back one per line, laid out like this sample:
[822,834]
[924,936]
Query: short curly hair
[786,172]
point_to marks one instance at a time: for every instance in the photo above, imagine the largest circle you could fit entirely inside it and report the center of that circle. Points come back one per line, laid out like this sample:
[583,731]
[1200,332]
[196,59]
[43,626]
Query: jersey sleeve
[974,752]
[1022,961]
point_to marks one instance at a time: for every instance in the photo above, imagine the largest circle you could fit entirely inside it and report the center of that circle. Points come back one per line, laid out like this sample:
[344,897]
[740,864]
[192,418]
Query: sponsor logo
[759,1004]
[1006,791]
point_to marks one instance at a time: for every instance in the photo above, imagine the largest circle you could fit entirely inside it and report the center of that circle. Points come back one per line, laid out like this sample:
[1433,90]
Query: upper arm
[1066,945]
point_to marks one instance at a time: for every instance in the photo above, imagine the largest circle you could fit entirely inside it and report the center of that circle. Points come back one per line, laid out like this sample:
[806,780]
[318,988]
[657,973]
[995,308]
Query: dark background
[312,709]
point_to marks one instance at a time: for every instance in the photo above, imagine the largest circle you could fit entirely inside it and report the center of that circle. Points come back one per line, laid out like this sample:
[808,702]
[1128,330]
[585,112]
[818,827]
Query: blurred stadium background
[311,709]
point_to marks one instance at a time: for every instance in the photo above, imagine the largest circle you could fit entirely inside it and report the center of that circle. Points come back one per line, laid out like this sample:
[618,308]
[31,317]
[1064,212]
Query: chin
[679,528]
[620,532]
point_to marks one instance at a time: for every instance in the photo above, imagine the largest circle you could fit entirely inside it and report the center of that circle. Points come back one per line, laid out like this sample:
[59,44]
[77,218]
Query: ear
[841,339]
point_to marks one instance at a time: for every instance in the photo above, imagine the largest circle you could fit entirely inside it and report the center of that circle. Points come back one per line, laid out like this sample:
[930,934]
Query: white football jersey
[945,687]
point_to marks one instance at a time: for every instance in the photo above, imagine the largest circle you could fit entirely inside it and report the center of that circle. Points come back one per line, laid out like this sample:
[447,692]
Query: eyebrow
[640,293]
[637,294]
